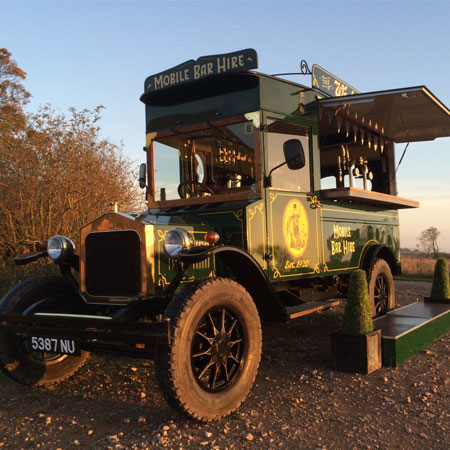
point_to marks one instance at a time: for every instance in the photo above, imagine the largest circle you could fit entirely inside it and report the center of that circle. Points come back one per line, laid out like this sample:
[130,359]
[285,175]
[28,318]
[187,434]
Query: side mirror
[294,154]
[142,176]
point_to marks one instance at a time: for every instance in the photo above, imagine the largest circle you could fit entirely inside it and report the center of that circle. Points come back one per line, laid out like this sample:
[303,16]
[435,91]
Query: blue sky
[87,53]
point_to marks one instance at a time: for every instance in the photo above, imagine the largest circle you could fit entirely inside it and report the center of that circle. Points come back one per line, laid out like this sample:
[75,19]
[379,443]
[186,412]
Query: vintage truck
[263,196]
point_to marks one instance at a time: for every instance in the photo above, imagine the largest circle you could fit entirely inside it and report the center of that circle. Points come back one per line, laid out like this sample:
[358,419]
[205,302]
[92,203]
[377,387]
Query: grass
[404,277]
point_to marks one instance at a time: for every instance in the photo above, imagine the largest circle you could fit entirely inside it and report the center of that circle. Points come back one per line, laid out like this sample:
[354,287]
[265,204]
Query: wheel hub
[220,349]
[217,349]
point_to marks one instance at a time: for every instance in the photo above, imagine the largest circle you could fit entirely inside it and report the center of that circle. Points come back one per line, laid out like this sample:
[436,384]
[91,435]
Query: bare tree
[428,241]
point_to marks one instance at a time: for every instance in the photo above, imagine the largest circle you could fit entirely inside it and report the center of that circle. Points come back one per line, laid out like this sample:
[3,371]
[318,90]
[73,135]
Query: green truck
[263,196]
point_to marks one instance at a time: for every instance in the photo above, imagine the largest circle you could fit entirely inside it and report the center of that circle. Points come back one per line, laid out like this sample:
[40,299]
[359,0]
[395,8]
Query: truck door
[292,217]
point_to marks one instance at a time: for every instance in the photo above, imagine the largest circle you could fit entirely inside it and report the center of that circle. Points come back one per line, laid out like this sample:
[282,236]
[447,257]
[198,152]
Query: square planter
[445,301]
[356,353]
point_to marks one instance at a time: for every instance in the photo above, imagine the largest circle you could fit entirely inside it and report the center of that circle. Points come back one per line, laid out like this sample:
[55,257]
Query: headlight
[176,240]
[60,248]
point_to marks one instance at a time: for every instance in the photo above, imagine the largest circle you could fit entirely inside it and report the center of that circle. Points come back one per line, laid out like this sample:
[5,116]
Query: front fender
[248,273]
[26,259]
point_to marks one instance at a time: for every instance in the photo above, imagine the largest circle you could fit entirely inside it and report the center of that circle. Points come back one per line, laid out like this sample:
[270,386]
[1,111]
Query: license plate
[54,345]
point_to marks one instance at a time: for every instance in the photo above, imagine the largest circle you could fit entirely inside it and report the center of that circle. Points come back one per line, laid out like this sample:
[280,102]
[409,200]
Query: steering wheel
[192,187]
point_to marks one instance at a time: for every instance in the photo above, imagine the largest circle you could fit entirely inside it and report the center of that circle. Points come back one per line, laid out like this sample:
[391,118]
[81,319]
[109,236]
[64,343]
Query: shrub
[10,274]
[358,313]
[441,286]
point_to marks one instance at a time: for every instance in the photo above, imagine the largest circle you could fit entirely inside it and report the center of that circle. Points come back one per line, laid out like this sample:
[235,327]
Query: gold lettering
[345,247]
[289,265]
[221,64]
[336,247]
[341,89]
[301,263]
[341,232]
[158,82]
[196,71]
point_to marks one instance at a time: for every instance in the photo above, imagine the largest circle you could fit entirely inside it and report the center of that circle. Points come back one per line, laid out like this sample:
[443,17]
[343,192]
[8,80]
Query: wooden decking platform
[410,329]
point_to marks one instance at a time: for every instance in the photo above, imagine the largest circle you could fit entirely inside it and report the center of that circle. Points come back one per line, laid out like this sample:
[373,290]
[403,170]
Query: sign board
[205,66]
[330,84]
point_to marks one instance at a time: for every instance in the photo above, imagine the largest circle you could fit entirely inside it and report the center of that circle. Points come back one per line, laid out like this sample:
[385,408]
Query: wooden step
[310,307]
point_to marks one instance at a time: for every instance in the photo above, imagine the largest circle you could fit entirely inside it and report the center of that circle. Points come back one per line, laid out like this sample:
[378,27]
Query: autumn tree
[57,174]
[428,241]
[13,97]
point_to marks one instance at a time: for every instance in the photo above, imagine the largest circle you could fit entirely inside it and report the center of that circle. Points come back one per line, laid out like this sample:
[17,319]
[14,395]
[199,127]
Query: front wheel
[215,349]
[17,360]
[381,288]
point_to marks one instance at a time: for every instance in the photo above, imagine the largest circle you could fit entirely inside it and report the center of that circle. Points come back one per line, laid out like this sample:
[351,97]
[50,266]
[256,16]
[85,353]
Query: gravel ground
[298,401]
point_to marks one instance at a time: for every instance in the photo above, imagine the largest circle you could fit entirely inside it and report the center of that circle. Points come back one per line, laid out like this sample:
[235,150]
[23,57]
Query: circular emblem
[295,228]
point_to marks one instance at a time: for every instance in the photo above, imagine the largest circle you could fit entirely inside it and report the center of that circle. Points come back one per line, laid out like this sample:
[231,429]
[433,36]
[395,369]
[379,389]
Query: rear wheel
[381,288]
[215,349]
[17,360]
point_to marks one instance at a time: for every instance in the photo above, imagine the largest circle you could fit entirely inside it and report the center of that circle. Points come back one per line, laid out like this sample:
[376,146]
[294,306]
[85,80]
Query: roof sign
[330,84]
[205,66]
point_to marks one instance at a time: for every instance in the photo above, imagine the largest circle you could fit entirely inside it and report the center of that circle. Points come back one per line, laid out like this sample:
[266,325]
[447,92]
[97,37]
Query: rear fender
[380,251]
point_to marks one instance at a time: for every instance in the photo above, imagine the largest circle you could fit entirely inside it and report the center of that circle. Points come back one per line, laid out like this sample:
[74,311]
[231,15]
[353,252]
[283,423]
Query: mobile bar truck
[263,196]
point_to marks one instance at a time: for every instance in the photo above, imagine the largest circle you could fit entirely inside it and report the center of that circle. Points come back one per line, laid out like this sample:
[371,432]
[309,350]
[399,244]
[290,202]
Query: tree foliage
[56,172]
[13,96]
[358,313]
[428,241]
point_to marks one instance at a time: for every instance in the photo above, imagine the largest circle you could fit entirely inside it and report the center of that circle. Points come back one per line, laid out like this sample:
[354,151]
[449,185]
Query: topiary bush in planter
[440,289]
[358,313]
[357,347]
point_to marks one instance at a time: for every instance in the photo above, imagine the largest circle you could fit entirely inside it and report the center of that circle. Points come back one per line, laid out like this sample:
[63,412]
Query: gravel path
[298,401]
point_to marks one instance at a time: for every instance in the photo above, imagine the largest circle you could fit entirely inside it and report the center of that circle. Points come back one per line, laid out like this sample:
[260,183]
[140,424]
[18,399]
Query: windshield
[207,162]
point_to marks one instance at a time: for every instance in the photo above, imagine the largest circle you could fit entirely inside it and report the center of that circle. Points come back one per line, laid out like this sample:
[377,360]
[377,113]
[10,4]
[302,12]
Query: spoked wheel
[212,360]
[217,349]
[17,359]
[381,288]
[381,294]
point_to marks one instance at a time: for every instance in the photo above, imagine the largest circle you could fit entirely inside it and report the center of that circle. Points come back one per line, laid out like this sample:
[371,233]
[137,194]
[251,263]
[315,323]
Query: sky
[89,53]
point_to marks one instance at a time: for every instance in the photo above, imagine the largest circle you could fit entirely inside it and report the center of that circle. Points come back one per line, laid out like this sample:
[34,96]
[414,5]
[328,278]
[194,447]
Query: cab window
[278,132]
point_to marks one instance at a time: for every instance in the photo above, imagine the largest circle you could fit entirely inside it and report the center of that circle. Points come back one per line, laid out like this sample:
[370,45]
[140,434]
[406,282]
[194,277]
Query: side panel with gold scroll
[293,232]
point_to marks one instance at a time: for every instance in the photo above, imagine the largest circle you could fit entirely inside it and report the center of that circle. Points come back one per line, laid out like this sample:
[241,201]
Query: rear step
[308,308]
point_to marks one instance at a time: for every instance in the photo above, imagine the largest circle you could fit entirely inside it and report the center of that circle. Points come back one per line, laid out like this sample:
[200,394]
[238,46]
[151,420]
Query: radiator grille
[113,263]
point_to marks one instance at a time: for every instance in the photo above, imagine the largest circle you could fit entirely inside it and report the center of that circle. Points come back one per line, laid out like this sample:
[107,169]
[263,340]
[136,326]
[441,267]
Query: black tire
[34,368]
[381,288]
[215,350]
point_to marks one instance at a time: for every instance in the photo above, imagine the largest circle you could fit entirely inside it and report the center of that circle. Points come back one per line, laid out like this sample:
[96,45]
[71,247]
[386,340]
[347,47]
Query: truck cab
[215,159]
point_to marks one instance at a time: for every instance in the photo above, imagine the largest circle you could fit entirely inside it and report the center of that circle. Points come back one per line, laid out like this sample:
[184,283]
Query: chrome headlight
[60,248]
[177,240]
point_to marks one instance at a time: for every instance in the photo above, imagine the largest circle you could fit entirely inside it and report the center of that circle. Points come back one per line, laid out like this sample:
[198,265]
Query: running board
[307,308]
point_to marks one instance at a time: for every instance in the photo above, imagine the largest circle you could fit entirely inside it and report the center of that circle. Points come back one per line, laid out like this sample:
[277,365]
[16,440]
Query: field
[418,267]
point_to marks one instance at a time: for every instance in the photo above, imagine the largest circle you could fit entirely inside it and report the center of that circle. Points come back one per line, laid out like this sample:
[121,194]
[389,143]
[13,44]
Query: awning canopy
[401,115]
